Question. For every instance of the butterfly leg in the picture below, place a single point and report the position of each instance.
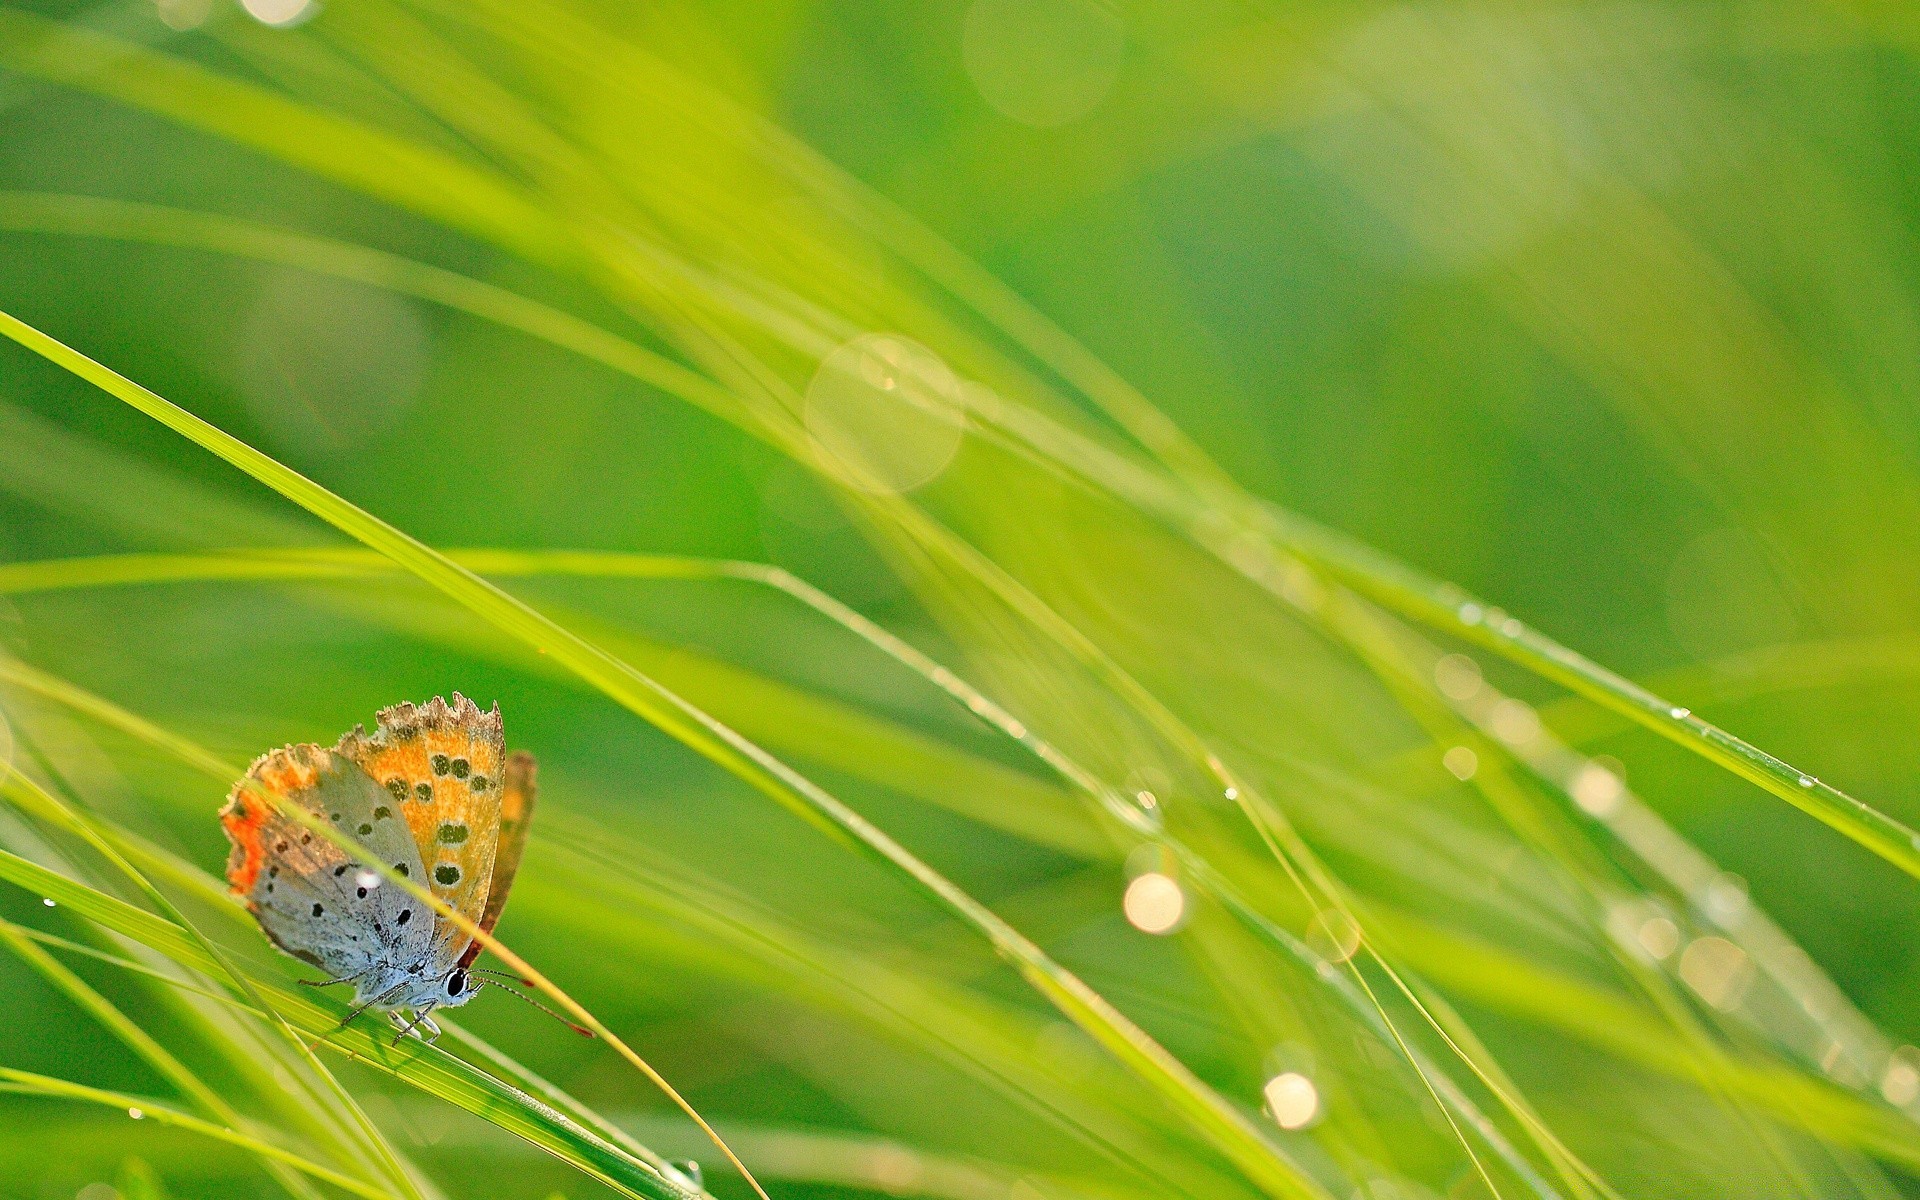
(421, 1020)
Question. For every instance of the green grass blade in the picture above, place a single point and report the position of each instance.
(40, 1085)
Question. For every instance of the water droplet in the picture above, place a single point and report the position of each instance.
(1292, 1100)
(1461, 761)
(1470, 614)
(1232, 793)
(1512, 627)
(1679, 714)
(136, 1114)
(1658, 936)
(1725, 898)
(1457, 676)
(1154, 903)
(1806, 781)
(1597, 791)
(278, 13)
(1514, 722)
(182, 15)
(1900, 1083)
(48, 901)
(1333, 935)
(1717, 970)
(689, 1170)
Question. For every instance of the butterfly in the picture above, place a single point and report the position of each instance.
(430, 794)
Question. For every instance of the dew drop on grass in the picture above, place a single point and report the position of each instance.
(1291, 1099)
(1900, 1082)
(1597, 791)
(1717, 970)
(278, 13)
(1806, 781)
(1725, 898)
(48, 901)
(1154, 903)
(1658, 936)
(136, 1114)
(1679, 714)
(1470, 614)
(182, 15)
(1457, 676)
(1461, 761)
(1333, 935)
(1514, 722)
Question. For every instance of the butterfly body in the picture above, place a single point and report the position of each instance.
(430, 796)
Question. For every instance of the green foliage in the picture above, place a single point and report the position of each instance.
(885, 462)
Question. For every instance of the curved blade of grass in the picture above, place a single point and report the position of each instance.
(142, 1043)
(1227, 1126)
(1451, 610)
(27, 1083)
(91, 216)
(370, 160)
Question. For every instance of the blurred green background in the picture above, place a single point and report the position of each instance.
(1603, 312)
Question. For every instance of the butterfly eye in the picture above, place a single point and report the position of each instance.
(456, 983)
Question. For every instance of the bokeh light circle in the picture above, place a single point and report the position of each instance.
(1154, 903)
(1043, 62)
(885, 414)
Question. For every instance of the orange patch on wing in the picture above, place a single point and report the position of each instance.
(245, 818)
(442, 764)
(409, 766)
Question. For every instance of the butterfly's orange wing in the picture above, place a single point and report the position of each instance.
(516, 817)
(444, 765)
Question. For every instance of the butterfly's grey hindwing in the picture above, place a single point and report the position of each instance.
(330, 908)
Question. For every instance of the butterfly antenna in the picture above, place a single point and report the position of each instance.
(522, 980)
(582, 1030)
